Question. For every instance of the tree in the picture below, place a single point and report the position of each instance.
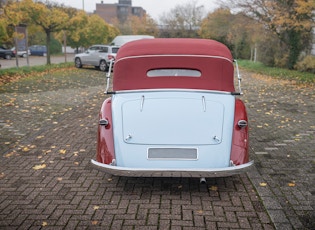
(217, 26)
(97, 31)
(10, 19)
(50, 18)
(137, 25)
(78, 20)
(290, 20)
(113, 32)
(84, 30)
(236, 31)
(4, 36)
(183, 20)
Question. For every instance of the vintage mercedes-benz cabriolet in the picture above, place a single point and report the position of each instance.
(173, 112)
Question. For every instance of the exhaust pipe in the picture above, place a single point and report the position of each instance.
(203, 180)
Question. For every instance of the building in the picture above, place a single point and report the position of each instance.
(119, 11)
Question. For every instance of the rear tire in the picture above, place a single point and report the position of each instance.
(103, 65)
(8, 56)
(78, 63)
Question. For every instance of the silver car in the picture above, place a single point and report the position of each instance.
(97, 55)
(21, 52)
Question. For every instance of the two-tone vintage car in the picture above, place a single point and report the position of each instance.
(173, 111)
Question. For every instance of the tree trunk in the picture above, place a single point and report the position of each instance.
(295, 48)
(48, 46)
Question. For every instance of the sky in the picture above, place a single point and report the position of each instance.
(155, 8)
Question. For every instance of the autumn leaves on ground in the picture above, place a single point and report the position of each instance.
(28, 104)
(48, 128)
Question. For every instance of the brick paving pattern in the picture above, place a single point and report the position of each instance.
(282, 119)
(48, 137)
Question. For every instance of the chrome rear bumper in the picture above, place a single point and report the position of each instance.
(172, 172)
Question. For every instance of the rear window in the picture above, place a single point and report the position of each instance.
(173, 73)
(103, 49)
(115, 50)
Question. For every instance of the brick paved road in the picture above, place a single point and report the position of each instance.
(282, 118)
(48, 137)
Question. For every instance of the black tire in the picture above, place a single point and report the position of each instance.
(24, 55)
(8, 56)
(103, 65)
(78, 63)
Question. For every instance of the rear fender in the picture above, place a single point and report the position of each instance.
(239, 152)
(105, 142)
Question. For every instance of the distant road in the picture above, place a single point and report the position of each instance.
(35, 60)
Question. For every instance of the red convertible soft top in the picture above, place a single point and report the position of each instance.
(179, 63)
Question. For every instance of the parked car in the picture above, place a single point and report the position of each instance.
(21, 52)
(173, 112)
(38, 50)
(6, 54)
(123, 39)
(99, 56)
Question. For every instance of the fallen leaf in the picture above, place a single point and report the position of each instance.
(44, 224)
(62, 151)
(200, 211)
(9, 154)
(94, 222)
(96, 207)
(37, 167)
(25, 149)
(213, 188)
(263, 184)
(46, 151)
(291, 184)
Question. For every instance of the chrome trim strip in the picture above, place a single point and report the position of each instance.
(239, 78)
(142, 103)
(174, 55)
(108, 76)
(173, 89)
(204, 103)
(172, 172)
